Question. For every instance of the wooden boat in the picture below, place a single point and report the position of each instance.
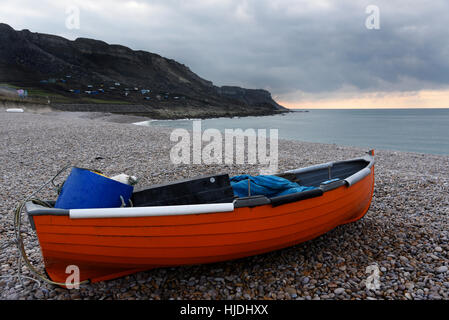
(110, 243)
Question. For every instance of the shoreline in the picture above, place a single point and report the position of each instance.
(141, 121)
(136, 110)
(140, 111)
(405, 232)
(135, 120)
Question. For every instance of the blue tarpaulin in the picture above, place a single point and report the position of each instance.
(269, 186)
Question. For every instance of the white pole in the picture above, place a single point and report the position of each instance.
(134, 212)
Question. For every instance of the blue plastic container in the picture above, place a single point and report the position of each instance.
(85, 189)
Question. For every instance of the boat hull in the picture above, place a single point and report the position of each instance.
(107, 248)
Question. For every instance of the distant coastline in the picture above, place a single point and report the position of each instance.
(162, 113)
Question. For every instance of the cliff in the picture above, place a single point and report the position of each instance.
(86, 71)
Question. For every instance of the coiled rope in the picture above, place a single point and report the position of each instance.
(18, 233)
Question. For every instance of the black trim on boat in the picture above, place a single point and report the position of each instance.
(293, 197)
(34, 209)
(333, 185)
(253, 201)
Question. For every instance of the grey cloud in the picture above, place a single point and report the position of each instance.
(285, 46)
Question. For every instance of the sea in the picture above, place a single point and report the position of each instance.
(413, 130)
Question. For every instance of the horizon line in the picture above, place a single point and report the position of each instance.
(363, 108)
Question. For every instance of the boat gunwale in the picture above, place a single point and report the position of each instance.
(33, 209)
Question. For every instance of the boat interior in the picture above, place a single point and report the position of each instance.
(323, 178)
(315, 177)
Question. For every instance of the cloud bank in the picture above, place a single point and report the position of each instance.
(299, 50)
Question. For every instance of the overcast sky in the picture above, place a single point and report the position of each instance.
(315, 53)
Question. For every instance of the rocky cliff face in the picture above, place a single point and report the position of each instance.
(248, 96)
(27, 58)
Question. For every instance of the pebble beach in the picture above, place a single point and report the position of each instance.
(405, 233)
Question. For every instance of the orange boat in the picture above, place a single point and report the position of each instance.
(110, 243)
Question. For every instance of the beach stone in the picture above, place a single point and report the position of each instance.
(442, 269)
(434, 296)
(339, 291)
(291, 291)
(409, 285)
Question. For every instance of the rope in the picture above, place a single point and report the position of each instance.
(19, 240)
(20, 278)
